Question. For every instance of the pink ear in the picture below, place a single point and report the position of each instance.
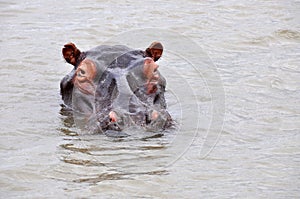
(148, 61)
(155, 50)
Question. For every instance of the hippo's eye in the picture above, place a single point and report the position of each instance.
(82, 71)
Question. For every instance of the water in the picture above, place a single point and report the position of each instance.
(254, 47)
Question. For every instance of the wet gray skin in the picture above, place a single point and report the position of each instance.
(119, 87)
(102, 56)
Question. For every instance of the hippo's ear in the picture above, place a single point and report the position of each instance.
(71, 53)
(155, 50)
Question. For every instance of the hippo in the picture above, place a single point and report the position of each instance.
(111, 88)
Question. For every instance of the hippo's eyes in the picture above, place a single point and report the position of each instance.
(81, 72)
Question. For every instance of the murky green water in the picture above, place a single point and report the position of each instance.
(249, 86)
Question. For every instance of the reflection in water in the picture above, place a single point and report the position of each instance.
(83, 162)
(118, 176)
(288, 34)
(72, 148)
(68, 121)
(106, 154)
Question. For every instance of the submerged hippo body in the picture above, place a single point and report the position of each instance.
(114, 87)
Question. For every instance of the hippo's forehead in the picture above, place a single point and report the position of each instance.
(106, 53)
(118, 58)
(108, 56)
(128, 60)
(114, 57)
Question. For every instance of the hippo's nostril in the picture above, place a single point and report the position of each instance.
(156, 99)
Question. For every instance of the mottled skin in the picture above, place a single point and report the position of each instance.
(116, 85)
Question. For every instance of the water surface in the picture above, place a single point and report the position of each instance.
(255, 49)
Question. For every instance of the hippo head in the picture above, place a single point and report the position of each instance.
(115, 84)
